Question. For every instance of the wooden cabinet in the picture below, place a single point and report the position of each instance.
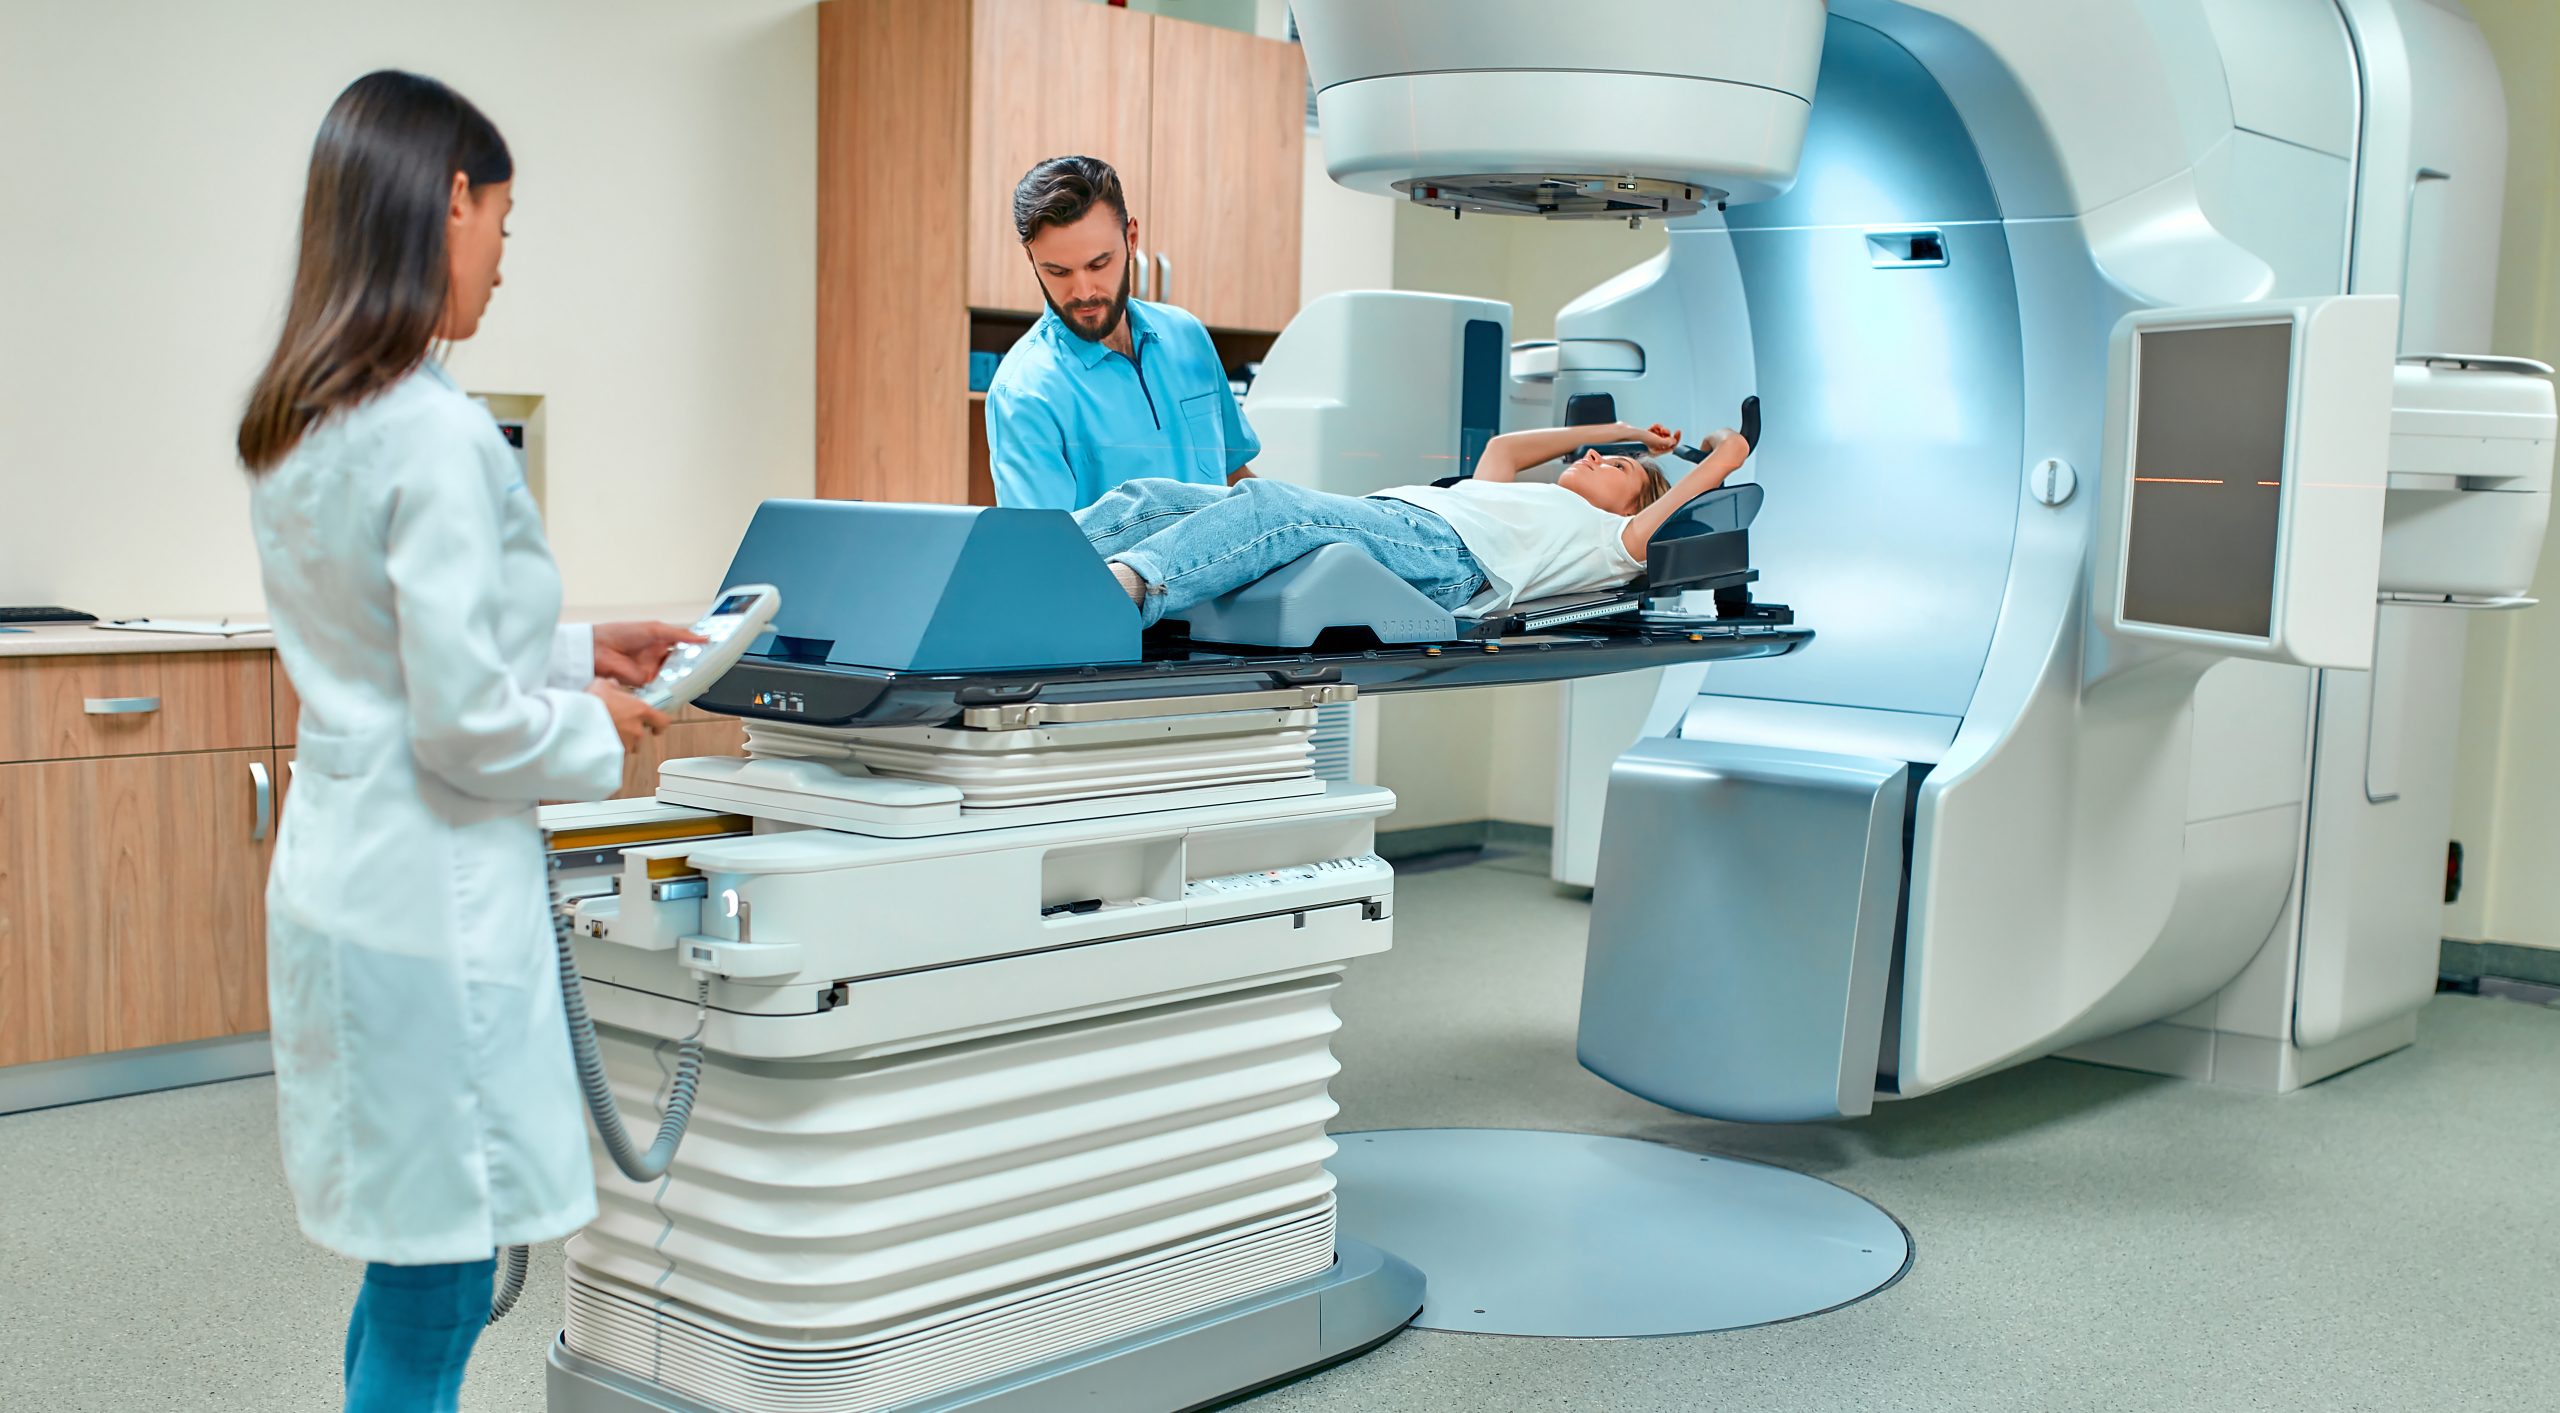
(131, 902)
(125, 704)
(140, 798)
(1227, 160)
(928, 114)
(136, 822)
(1048, 79)
(695, 733)
(893, 321)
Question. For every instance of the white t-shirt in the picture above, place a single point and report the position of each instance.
(1533, 539)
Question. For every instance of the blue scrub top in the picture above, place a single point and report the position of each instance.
(1067, 419)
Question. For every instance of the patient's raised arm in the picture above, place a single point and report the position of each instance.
(1506, 456)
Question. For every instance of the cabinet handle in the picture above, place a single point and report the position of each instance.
(1164, 278)
(1146, 275)
(266, 806)
(119, 706)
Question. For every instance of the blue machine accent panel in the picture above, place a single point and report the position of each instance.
(1486, 363)
(933, 588)
(1742, 929)
(1894, 394)
(1883, 146)
(1577, 1236)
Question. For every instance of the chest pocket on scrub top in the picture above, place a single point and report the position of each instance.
(1206, 431)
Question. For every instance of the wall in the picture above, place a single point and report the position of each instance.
(1347, 240)
(1245, 15)
(2507, 802)
(1268, 18)
(659, 284)
(658, 290)
(1538, 266)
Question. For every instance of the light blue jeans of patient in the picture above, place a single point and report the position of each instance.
(412, 1333)
(1191, 543)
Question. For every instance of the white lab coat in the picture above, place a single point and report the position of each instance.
(428, 1106)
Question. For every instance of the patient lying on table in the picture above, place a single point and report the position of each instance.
(1478, 546)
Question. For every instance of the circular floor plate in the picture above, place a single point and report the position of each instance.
(1573, 1235)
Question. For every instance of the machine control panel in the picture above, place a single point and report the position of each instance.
(1293, 876)
(729, 629)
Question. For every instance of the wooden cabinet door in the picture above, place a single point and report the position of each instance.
(133, 704)
(893, 146)
(130, 903)
(1227, 185)
(695, 733)
(1050, 78)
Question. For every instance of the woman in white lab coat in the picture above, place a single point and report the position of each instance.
(428, 1107)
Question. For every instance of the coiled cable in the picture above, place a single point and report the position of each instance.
(636, 1165)
(510, 1285)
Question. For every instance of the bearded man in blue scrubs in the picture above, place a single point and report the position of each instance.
(1105, 388)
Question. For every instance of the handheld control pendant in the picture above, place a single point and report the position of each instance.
(735, 621)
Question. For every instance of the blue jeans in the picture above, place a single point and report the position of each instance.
(1191, 543)
(412, 1334)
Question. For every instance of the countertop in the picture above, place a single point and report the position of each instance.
(66, 639)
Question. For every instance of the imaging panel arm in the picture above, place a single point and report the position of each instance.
(2470, 488)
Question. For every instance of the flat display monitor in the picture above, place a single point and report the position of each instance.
(2201, 545)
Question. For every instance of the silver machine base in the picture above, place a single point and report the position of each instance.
(1572, 1235)
(1220, 1354)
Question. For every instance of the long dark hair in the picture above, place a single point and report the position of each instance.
(370, 285)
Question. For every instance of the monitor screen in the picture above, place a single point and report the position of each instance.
(2208, 472)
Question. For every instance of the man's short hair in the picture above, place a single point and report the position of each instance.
(1059, 191)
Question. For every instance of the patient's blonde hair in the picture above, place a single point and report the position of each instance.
(1656, 484)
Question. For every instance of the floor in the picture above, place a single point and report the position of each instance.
(2087, 1239)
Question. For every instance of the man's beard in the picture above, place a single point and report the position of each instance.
(1110, 322)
